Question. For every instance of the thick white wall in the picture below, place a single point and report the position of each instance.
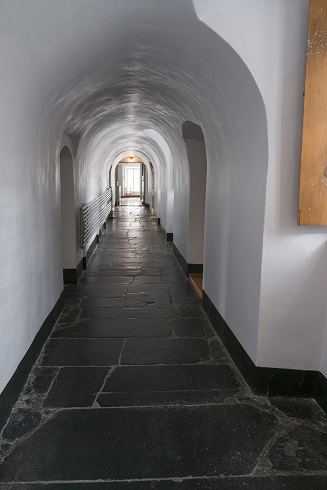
(165, 182)
(197, 159)
(271, 39)
(35, 65)
(80, 83)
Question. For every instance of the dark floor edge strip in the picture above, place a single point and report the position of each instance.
(180, 259)
(267, 381)
(72, 276)
(187, 268)
(169, 236)
(10, 394)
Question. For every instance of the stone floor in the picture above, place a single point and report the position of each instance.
(134, 391)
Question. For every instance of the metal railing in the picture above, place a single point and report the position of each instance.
(94, 215)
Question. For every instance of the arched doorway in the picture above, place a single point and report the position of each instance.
(68, 221)
(196, 151)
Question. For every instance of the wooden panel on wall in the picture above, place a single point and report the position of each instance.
(313, 180)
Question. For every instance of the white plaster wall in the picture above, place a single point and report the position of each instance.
(67, 199)
(165, 184)
(35, 65)
(80, 83)
(271, 39)
(72, 144)
(294, 293)
(198, 179)
(120, 175)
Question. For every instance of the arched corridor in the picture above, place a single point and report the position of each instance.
(144, 140)
(134, 385)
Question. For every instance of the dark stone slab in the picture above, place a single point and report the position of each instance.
(299, 408)
(114, 271)
(72, 300)
(106, 290)
(129, 312)
(171, 378)
(108, 279)
(143, 443)
(184, 289)
(76, 387)
(299, 482)
(164, 398)
(141, 280)
(82, 352)
(102, 303)
(69, 316)
(189, 327)
(165, 351)
(41, 379)
(121, 254)
(74, 289)
(175, 278)
(190, 312)
(21, 422)
(301, 448)
(117, 327)
(139, 304)
(188, 301)
(218, 352)
(148, 288)
(157, 299)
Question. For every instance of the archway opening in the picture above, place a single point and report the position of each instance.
(68, 221)
(196, 151)
(129, 180)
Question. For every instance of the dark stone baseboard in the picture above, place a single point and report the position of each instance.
(187, 268)
(195, 268)
(147, 205)
(321, 393)
(71, 276)
(79, 269)
(262, 380)
(235, 349)
(180, 259)
(90, 251)
(168, 236)
(16, 384)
